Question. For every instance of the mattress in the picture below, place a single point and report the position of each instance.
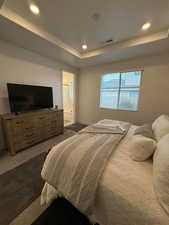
(125, 195)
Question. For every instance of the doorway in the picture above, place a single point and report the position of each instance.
(69, 98)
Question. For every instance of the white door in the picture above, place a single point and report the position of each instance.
(69, 98)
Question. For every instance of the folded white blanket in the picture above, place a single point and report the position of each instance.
(106, 127)
(110, 123)
(118, 126)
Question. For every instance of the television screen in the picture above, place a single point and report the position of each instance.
(23, 98)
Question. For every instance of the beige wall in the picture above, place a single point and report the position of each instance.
(21, 66)
(1, 2)
(154, 95)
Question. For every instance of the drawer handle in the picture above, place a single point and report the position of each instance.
(20, 122)
(41, 118)
(29, 128)
(29, 135)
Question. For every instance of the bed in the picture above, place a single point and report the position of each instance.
(125, 194)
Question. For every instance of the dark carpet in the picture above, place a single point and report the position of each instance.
(61, 212)
(19, 188)
(76, 127)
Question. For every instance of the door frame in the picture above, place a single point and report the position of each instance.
(74, 84)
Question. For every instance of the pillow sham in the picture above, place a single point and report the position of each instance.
(161, 126)
(141, 147)
(161, 172)
(145, 130)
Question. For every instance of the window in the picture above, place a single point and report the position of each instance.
(120, 90)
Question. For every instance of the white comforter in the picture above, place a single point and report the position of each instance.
(125, 195)
(75, 166)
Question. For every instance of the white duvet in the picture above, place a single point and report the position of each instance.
(125, 194)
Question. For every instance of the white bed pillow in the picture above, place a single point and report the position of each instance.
(161, 126)
(161, 172)
(145, 130)
(141, 147)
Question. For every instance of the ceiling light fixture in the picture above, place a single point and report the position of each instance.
(34, 9)
(96, 17)
(146, 26)
(84, 46)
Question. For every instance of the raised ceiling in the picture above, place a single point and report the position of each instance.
(67, 24)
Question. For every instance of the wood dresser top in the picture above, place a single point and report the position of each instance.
(10, 116)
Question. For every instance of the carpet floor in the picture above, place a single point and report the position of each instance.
(19, 188)
(76, 127)
(21, 185)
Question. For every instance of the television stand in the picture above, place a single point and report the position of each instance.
(27, 129)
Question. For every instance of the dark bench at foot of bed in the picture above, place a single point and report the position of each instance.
(61, 212)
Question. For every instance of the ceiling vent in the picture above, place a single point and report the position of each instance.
(108, 42)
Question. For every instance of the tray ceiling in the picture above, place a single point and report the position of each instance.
(66, 25)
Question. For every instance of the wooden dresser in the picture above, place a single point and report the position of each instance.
(24, 130)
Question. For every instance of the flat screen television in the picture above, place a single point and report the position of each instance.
(24, 98)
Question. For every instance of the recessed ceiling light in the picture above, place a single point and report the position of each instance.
(96, 17)
(146, 26)
(84, 46)
(34, 9)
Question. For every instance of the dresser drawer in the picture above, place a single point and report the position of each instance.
(41, 121)
(31, 141)
(18, 122)
(29, 127)
(29, 136)
(17, 126)
(20, 126)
